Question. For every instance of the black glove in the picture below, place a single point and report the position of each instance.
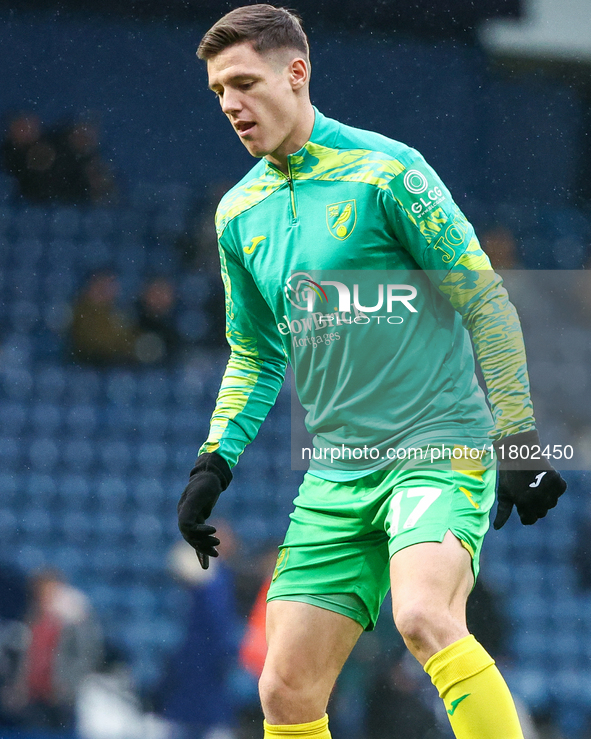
(528, 482)
(210, 477)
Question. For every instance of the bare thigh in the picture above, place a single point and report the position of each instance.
(430, 586)
(307, 648)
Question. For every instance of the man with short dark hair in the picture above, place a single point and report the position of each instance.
(343, 250)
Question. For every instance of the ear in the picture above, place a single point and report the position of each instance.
(299, 73)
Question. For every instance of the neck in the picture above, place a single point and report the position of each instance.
(299, 136)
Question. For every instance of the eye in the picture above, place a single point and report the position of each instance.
(246, 85)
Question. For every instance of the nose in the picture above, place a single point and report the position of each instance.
(230, 102)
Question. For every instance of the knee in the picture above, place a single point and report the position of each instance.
(426, 628)
(274, 689)
(286, 698)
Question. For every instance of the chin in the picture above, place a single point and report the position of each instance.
(257, 151)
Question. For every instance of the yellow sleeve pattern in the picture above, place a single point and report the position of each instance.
(255, 370)
(477, 293)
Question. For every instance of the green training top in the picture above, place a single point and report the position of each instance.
(359, 267)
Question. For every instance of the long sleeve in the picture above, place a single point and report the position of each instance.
(477, 293)
(256, 367)
(425, 219)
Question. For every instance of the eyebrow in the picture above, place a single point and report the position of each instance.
(234, 78)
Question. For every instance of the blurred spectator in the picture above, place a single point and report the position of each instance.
(199, 245)
(195, 692)
(62, 164)
(485, 614)
(501, 246)
(30, 156)
(13, 637)
(582, 550)
(158, 339)
(64, 647)
(81, 175)
(101, 333)
(253, 647)
(396, 709)
(108, 706)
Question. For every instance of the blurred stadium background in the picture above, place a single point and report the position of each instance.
(92, 460)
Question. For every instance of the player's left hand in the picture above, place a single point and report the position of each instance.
(528, 482)
(210, 476)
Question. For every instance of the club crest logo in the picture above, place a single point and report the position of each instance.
(341, 218)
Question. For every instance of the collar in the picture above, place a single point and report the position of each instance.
(323, 132)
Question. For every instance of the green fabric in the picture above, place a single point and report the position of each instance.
(342, 534)
(347, 604)
(360, 209)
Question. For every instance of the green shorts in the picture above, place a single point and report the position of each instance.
(342, 534)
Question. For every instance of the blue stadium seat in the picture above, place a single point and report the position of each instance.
(103, 600)
(147, 530)
(65, 223)
(95, 253)
(194, 324)
(17, 356)
(184, 456)
(6, 218)
(251, 528)
(13, 417)
(56, 317)
(73, 490)
(82, 418)
(50, 383)
(152, 423)
(30, 222)
(147, 493)
(10, 487)
(188, 423)
(7, 187)
(531, 647)
(146, 564)
(98, 223)
(122, 387)
(44, 454)
(154, 387)
(84, 384)
(120, 418)
(194, 289)
(40, 489)
(139, 600)
(46, 417)
(110, 527)
(78, 454)
(116, 456)
(23, 315)
(105, 562)
(531, 685)
(77, 527)
(70, 560)
(9, 532)
(27, 251)
(130, 256)
(30, 558)
(112, 493)
(169, 223)
(152, 457)
(62, 254)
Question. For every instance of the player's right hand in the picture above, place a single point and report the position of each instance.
(210, 476)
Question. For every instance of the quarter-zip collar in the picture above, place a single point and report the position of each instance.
(302, 160)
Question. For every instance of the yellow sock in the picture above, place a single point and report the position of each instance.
(312, 730)
(477, 699)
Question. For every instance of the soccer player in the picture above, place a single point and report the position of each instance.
(343, 251)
